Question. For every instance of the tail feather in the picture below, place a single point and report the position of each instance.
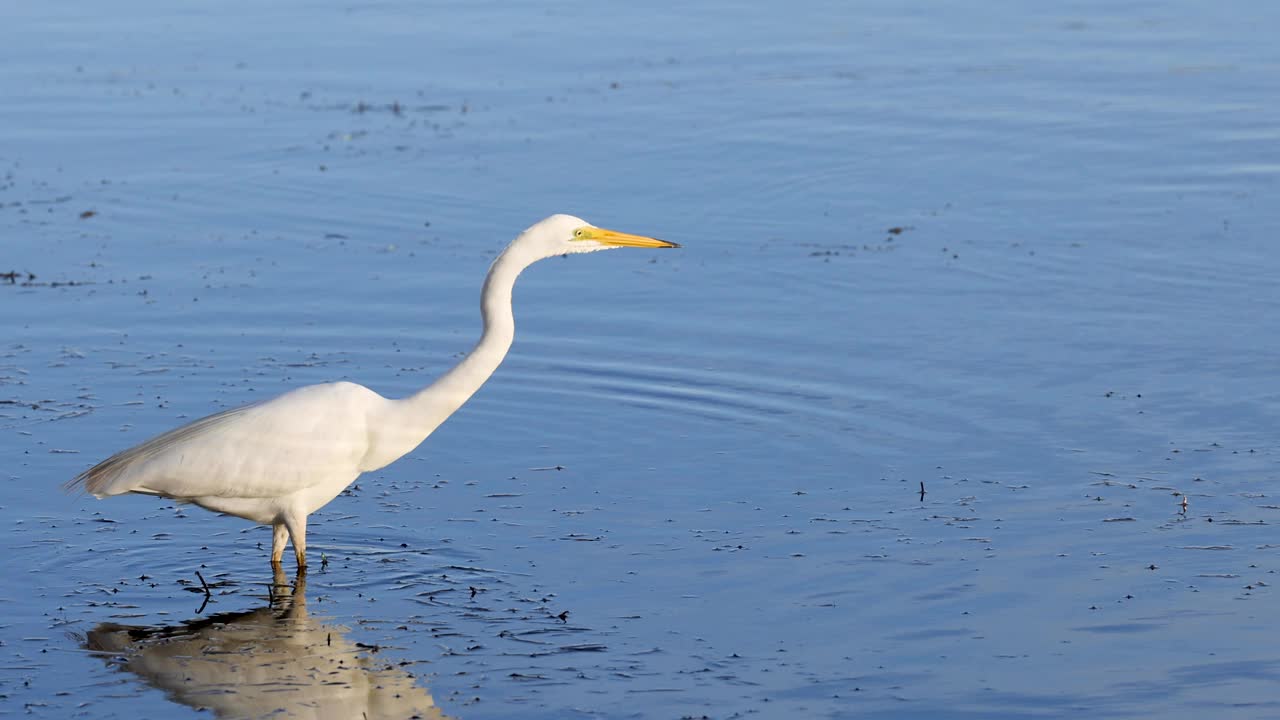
(97, 480)
(112, 476)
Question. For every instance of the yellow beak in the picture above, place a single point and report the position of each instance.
(621, 239)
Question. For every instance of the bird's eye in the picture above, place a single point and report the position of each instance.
(579, 233)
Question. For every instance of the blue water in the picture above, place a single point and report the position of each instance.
(1022, 255)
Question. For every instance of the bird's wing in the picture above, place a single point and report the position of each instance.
(269, 449)
(99, 479)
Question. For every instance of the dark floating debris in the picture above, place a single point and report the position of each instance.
(12, 276)
(27, 279)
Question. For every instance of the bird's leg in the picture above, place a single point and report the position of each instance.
(297, 525)
(279, 536)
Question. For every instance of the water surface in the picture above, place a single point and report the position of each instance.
(1019, 255)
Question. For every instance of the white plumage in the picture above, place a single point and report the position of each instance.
(277, 461)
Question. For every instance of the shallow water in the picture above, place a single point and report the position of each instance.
(1021, 256)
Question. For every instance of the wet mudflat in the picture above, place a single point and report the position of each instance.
(1020, 258)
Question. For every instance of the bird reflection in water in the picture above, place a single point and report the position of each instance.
(274, 661)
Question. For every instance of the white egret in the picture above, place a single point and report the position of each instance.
(277, 461)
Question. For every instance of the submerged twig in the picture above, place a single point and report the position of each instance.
(203, 584)
(207, 594)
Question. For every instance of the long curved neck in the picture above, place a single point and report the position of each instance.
(441, 398)
(398, 426)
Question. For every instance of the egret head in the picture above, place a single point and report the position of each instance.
(564, 234)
